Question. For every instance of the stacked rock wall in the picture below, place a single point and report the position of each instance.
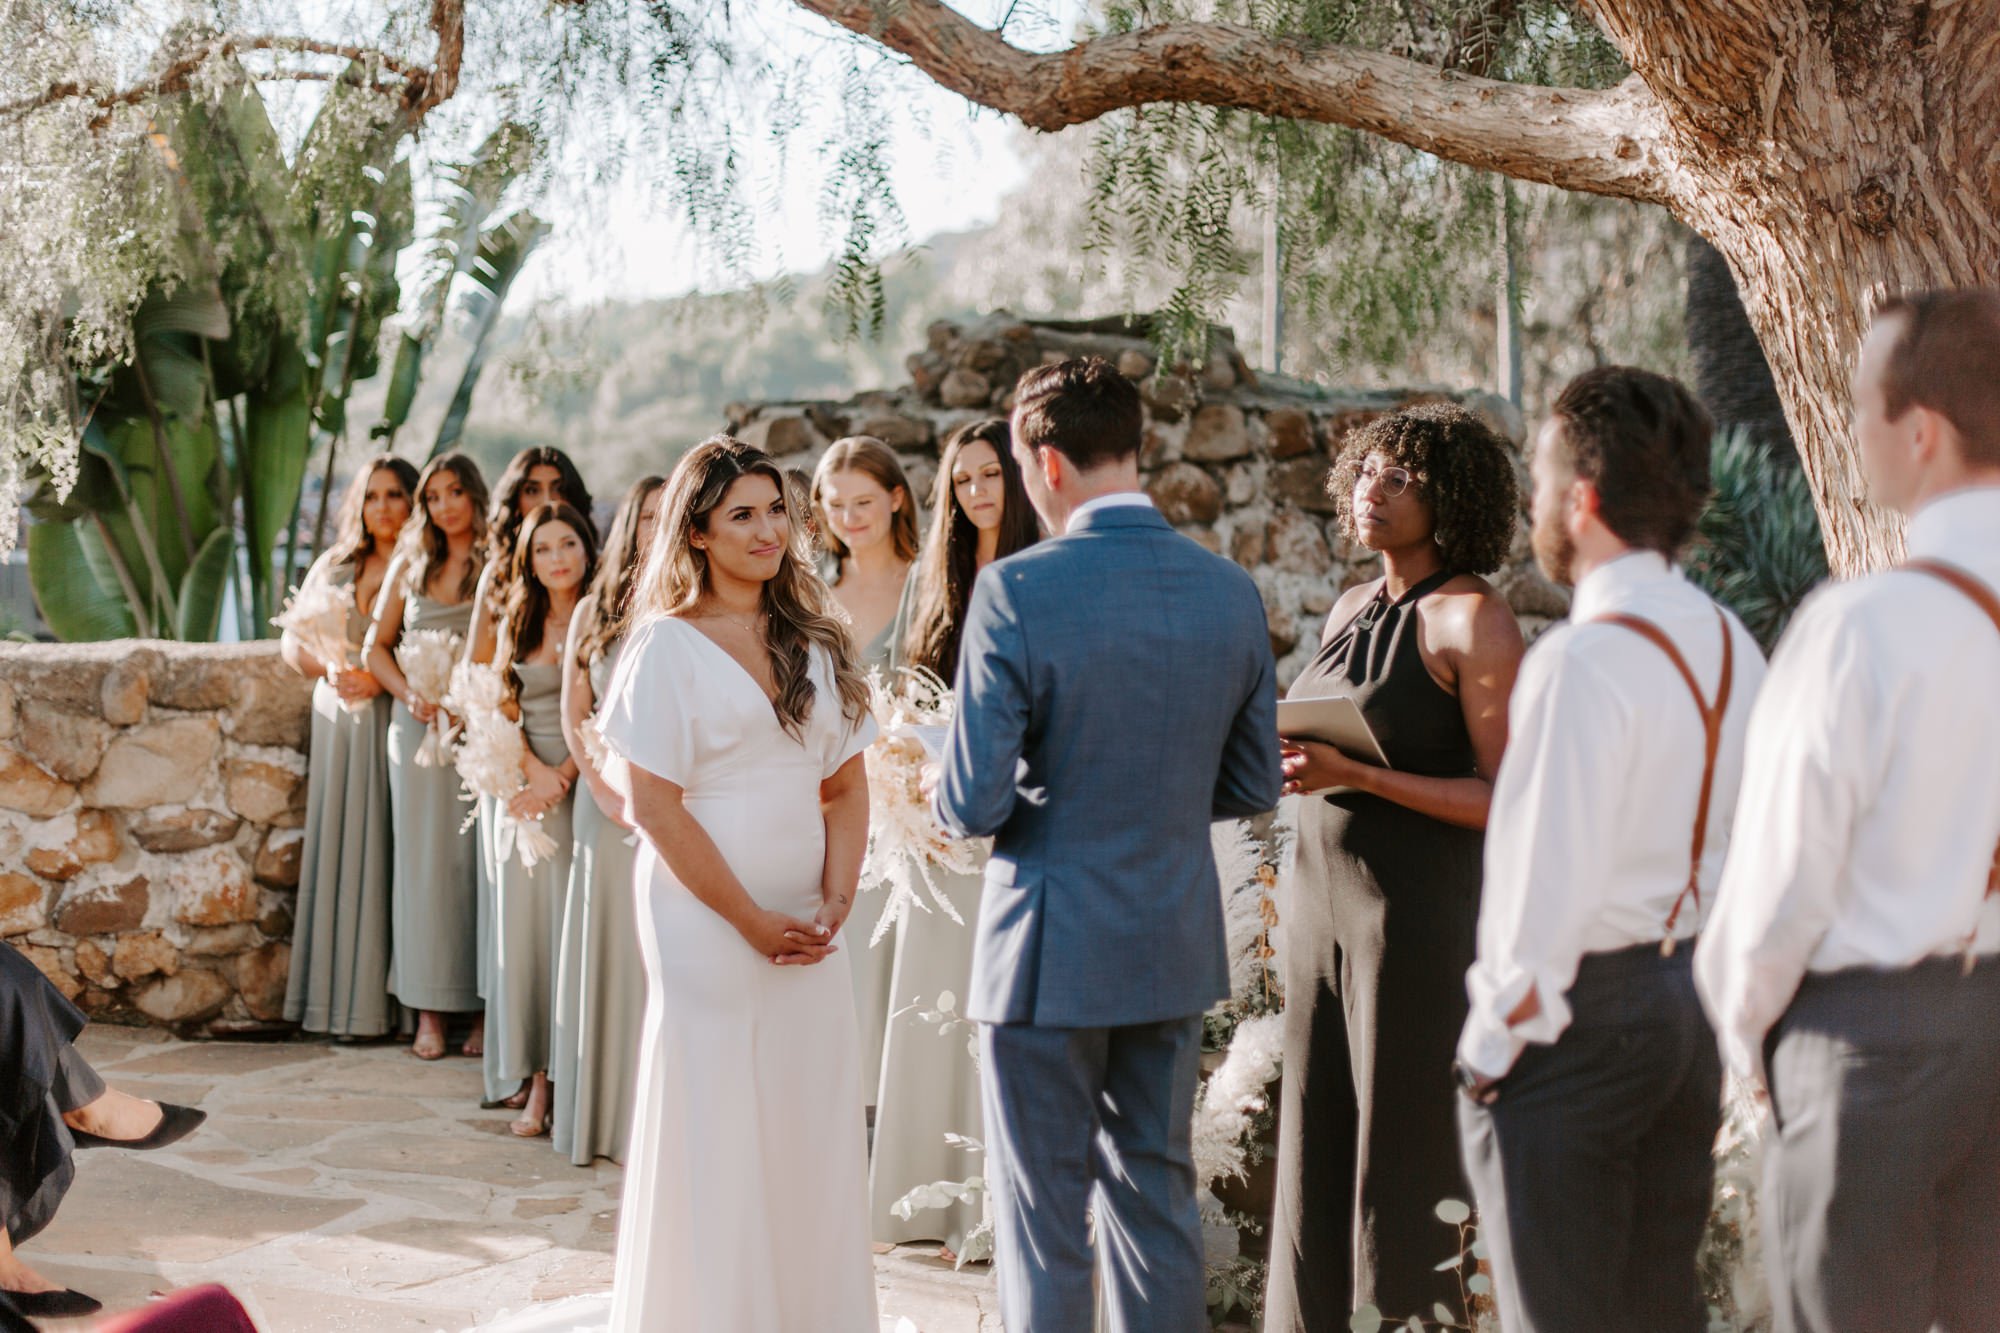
(151, 802)
(1237, 462)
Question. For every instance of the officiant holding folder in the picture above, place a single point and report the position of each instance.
(1381, 918)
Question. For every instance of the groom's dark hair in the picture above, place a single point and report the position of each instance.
(1082, 408)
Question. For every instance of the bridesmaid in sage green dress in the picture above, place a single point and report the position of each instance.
(432, 885)
(339, 982)
(930, 1081)
(531, 478)
(600, 978)
(554, 558)
(866, 519)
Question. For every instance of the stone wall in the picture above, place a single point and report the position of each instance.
(151, 802)
(1237, 461)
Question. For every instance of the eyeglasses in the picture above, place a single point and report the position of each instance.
(1393, 480)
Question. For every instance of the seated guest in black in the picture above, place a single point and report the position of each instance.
(51, 1103)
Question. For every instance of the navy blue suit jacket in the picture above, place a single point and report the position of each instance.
(1116, 695)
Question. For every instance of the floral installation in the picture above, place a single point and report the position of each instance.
(1232, 1109)
(428, 658)
(977, 1246)
(491, 751)
(906, 846)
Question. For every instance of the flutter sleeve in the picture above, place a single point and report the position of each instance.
(846, 736)
(644, 715)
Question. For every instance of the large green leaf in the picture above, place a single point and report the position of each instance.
(277, 439)
(65, 564)
(503, 251)
(200, 608)
(403, 378)
(167, 370)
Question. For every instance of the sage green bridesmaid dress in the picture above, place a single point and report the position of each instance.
(434, 960)
(601, 981)
(339, 981)
(871, 964)
(528, 910)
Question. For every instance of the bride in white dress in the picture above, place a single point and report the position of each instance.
(735, 723)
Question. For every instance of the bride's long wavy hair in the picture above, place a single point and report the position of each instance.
(798, 607)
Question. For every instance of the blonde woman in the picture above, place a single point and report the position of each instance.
(736, 720)
(867, 523)
(866, 518)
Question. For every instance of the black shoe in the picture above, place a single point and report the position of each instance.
(11, 1318)
(176, 1123)
(64, 1304)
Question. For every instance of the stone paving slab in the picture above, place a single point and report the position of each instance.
(339, 1187)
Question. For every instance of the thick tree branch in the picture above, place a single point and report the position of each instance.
(421, 87)
(1608, 142)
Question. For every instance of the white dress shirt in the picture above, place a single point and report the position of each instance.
(1872, 801)
(1115, 500)
(1593, 811)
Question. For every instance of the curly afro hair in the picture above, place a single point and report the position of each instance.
(1463, 468)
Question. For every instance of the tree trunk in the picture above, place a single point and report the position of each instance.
(1731, 376)
(1855, 158)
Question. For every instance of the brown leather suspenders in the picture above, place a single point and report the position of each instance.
(1983, 597)
(1711, 721)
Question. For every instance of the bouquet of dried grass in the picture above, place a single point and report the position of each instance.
(905, 844)
(427, 657)
(316, 615)
(491, 756)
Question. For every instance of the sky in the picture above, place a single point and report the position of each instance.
(632, 247)
(951, 163)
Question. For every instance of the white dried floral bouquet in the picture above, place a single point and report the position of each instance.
(316, 615)
(491, 753)
(427, 657)
(906, 845)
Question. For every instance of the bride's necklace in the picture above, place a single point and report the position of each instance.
(751, 629)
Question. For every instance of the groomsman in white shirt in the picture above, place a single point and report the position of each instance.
(1850, 962)
(1592, 1083)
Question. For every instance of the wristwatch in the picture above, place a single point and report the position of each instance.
(1478, 1088)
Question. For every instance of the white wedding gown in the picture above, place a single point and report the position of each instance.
(746, 1187)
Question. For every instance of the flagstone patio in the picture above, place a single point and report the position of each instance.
(341, 1187)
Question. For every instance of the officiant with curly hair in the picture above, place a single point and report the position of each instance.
(1385, 904)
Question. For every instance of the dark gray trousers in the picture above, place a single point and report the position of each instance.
(1593, 1169)
(1094, 1119)
(1882, 1184)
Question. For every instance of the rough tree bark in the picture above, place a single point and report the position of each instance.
(1827, 150)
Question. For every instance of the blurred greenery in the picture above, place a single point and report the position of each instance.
(1757, 548)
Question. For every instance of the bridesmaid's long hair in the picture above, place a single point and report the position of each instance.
(798, 606)
(353, 544)
(617, 573)
(505, 518)
(425, 542)
(527, 598)
(951, 551)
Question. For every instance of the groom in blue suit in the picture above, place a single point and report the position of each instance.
(1116, 695)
